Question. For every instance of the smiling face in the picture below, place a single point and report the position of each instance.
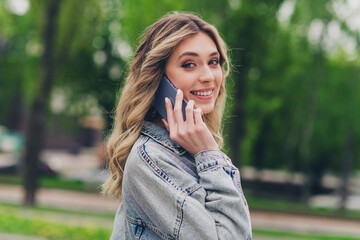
(194, 67)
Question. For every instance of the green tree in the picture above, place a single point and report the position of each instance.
(60, 43)
(35, 134)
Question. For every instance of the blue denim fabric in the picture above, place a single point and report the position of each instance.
(170, 194)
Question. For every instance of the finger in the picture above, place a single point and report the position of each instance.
(170, 115)
(197, 117)
(178, 109)
(165, 123)
(190, 114)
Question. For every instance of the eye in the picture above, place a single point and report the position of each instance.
(214, 62)
(188, 65)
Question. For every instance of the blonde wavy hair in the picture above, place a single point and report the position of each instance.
(146, 71)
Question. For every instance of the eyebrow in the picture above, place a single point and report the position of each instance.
(194, 54)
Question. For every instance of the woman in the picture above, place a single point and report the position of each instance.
(172, 179)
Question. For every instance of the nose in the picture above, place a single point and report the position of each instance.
(206, 75)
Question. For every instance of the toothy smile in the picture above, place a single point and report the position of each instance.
(202, 93)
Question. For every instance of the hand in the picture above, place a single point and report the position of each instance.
(192, 134)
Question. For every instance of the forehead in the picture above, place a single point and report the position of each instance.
(199, 42)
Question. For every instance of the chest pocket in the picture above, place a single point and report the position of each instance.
(135, 230)
(140, 231)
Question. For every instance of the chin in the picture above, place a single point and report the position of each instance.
(207, 109)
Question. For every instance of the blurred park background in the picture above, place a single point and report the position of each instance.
(292, 121)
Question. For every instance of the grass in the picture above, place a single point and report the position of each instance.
(299, 208)
(41, 222)
(14, 208)
(298, 236)
(38, 221)
(254, 203)
(41, 228)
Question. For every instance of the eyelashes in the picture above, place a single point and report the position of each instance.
(188, 65)
(213, 62)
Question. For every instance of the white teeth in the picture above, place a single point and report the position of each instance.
(203, 93)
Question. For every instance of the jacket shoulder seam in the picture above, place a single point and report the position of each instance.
(182, 193)
(159, 172)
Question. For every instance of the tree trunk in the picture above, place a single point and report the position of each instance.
(16, 111)
(346, 169)
(237, 130)
(305, 147)
(290, 144)
(36, 124)
(307, 132)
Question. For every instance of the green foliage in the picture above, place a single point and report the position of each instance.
(47, 211)
(15, 63)
(42, 223)
(37, 227)
(302, 236)
(292, 100)
(298, 208)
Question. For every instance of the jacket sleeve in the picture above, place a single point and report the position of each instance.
(212, 207)
(224, 197)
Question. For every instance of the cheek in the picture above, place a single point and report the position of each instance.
(177, 77)
(218, 80)
(182, 81)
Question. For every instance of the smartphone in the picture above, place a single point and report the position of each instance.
(166, 89)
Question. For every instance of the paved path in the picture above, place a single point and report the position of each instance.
(97, 203)
(7, 236)
(62, 199)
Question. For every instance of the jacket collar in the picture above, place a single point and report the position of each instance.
(161, 135)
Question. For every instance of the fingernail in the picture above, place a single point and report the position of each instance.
(178, 91)
(166, 100)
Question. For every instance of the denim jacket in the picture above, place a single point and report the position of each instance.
(169, 193)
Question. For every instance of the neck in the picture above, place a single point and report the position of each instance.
(159, 122)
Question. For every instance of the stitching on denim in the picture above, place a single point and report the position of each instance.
(179, 214)
(204, 165)
(157, 170)
(183, 193)
(213, 167)
(192, 189)
(164, 176)
(144, 224)
(180, 204)
(217, 153)
(139, 230)
(177, 149)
